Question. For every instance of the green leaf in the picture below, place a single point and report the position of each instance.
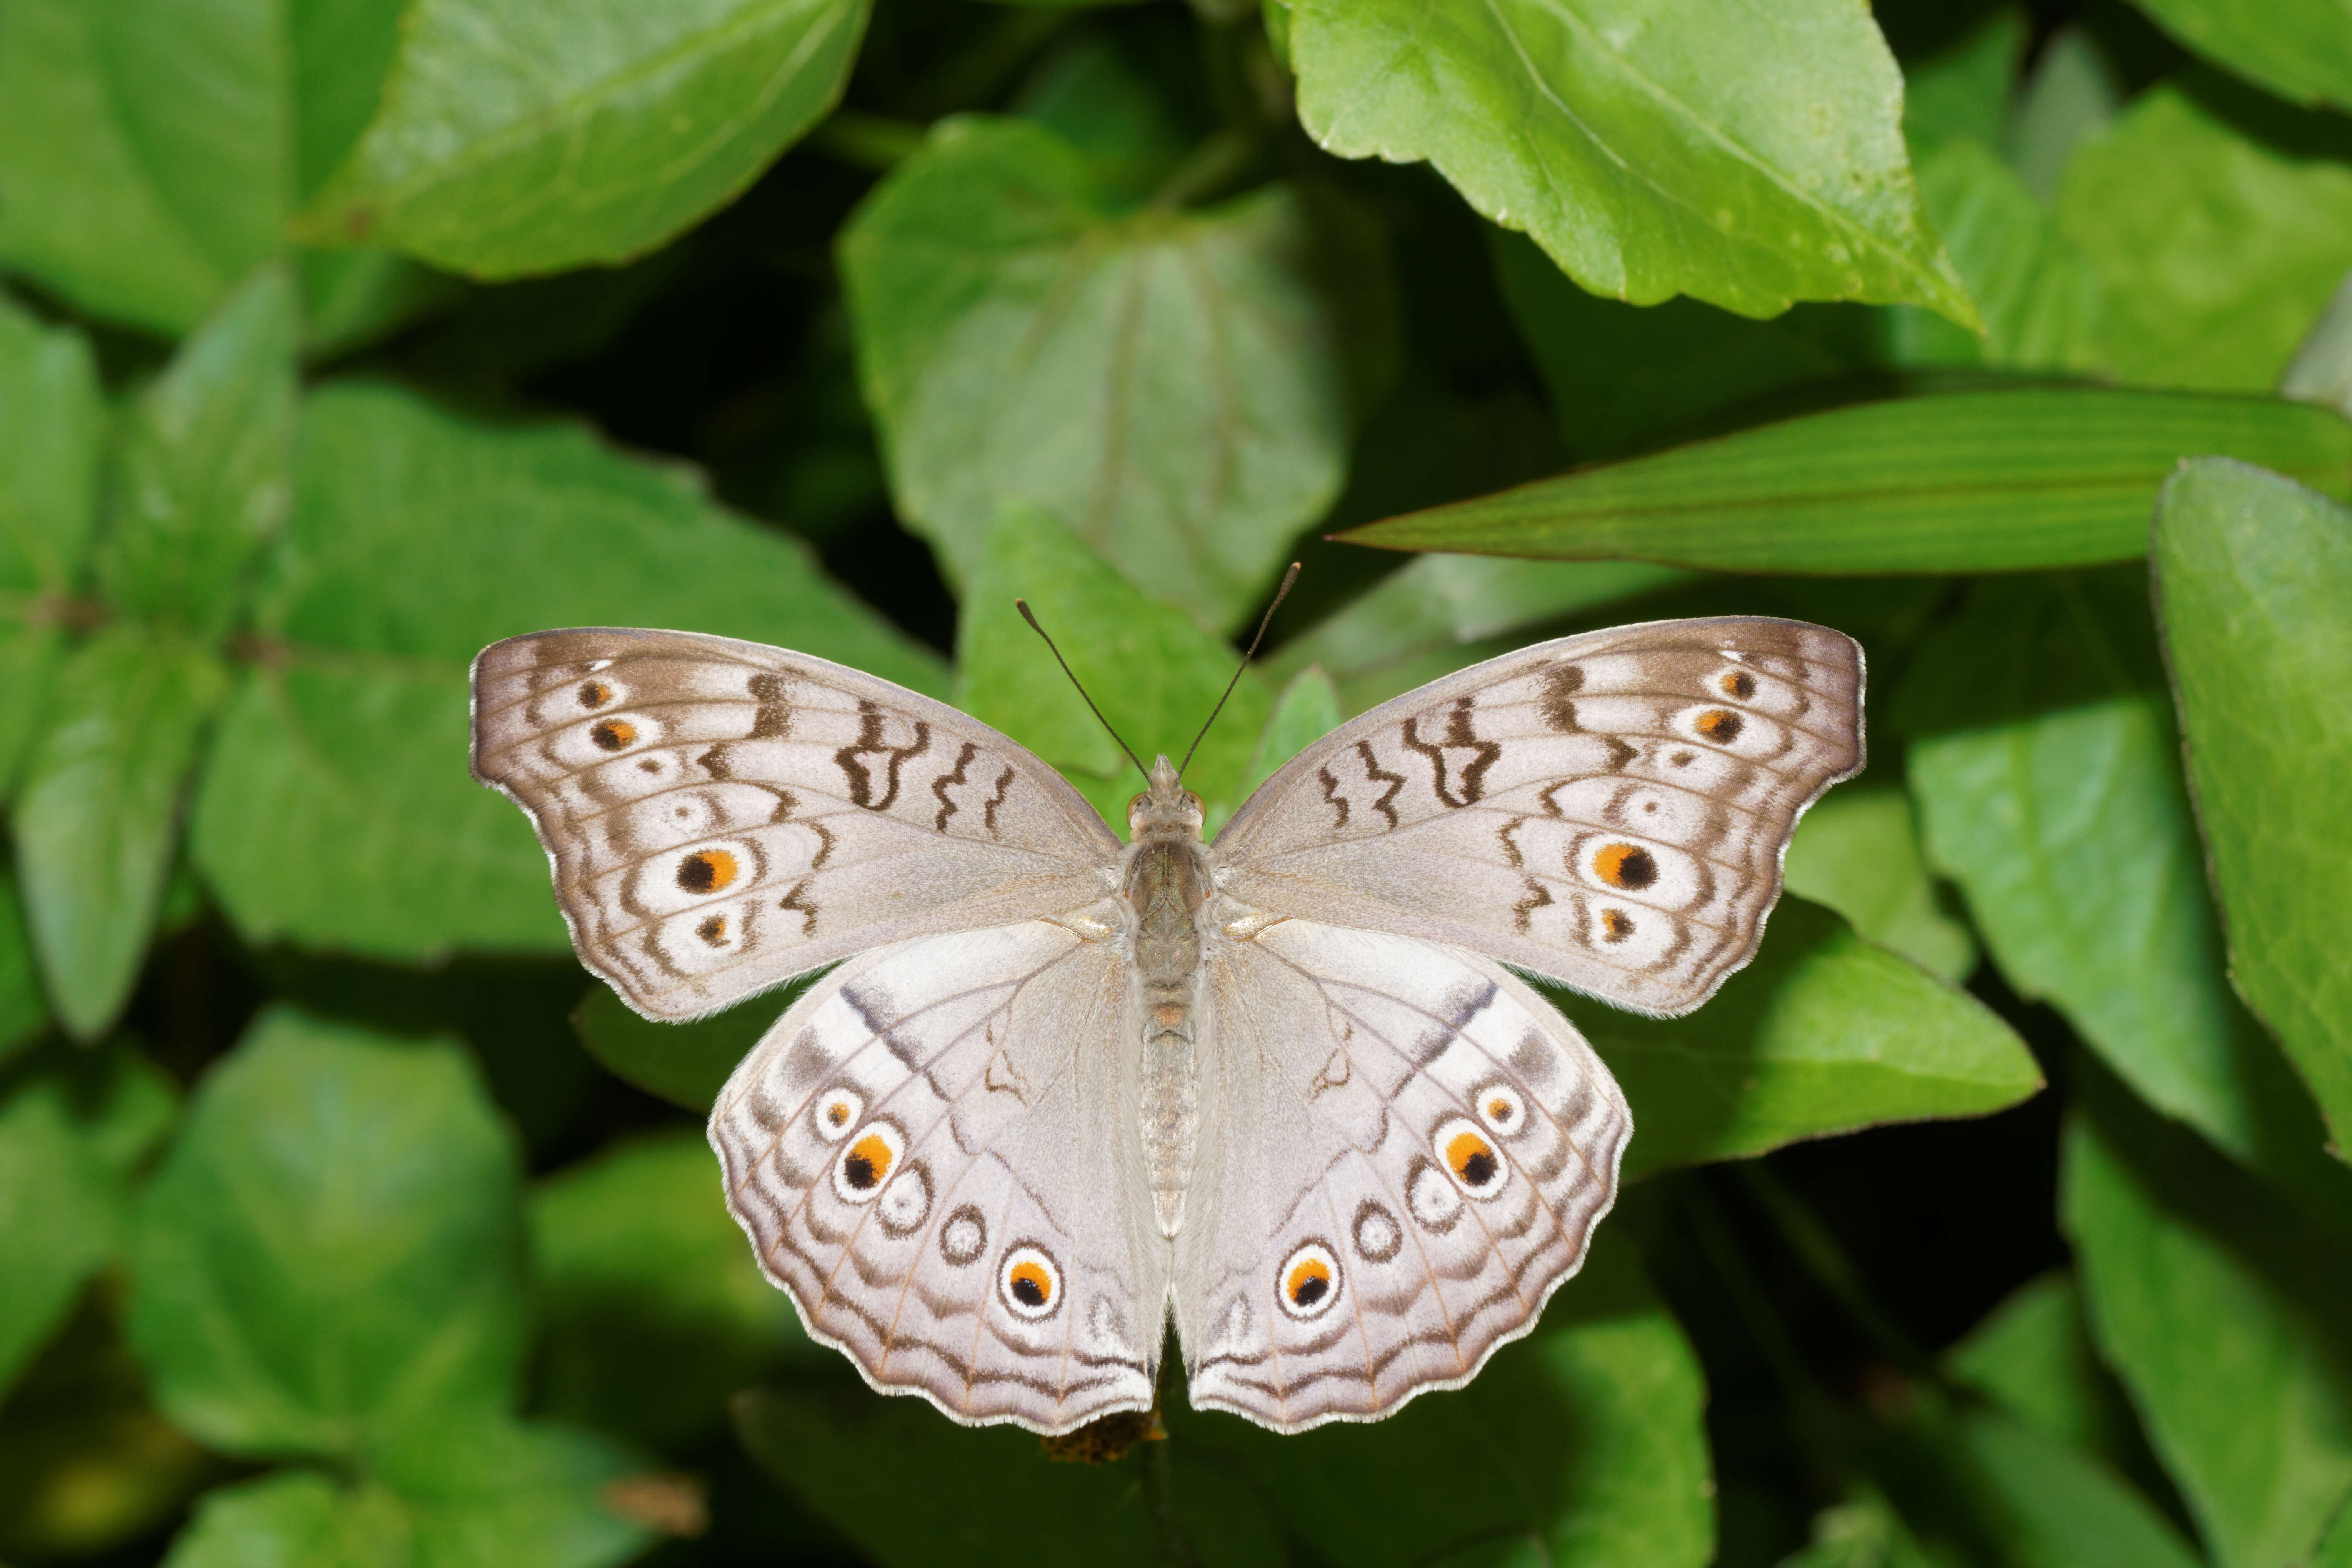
(2335, 1547)
(150, 154)
(1308, 710)
(1971, 481)
(1582, 1444)
(1962, 90)
(2300, 50)
(1858, 852)
(23, 1009)
(521, 139)
(2038, 296)
(2047, 1505)
(1863, 1533)
(98, 817)
(295, 1518)
(2032, 1356)
(50, 445)
(2254, 574)
(1649, 156)
(651, 1310)
(416, 538)
(2069, 96)
(2227, 1316)
(1822, 1032)
(2215, 251)
(1167, 382)
(200, 474)
(685, 1064)
(329, 1260)
(1154, 673)
(60, 1217)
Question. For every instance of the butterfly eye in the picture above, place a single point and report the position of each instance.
(868, 1161)
(1501, 1108)
(1308, 1283)
(837, 1114)
(1030, 1282)
(1478, 1167)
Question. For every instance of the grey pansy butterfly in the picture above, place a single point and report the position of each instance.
(1281, 1088)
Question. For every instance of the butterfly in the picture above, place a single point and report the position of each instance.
(1285, 1091)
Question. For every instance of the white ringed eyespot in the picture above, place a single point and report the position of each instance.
(837, 1111)
(1501, 1108)
(1308, 1282)
(1477, 1166)
(1030, 1282)
(870, 1159)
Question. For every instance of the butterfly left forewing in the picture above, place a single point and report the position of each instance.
(721, 815)
(1404, 1149)
(933, 1152)
(1609, 810)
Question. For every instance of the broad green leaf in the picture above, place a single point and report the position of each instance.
(652, 1308)
(2300, 50)
(329, 1260)
(685, 1064)
(1651, 151)
(2335, 1547)
(23, 1009)
(1962, 90)
(990, 1495)
(1969, 481)
(2215, 251)
(1440, 603)
(2070, 95)
(97, 818)
(1822, 1032)
(1167, 382)
(2032, 1356)
(1581, 1444)
(201, 475)
(1154, 672)
(295, 1518)
(2254, 574)
(1622, 376)
(1858, 852)
(522, 139)
(1094, 98)
(1308, 710)
(2038, 296)
(52, 425)
(417, 537)
(150, 154)
(2229, 1317)
(60, 1217)
(2048, 1505)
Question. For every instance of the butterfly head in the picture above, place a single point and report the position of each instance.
(1166, 808)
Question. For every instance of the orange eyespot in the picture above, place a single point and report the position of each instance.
(713, 930)
(837, 1114)
(1310, 1281)
(873, 1157)
(614, 734)
(1472, 1160)
(868, 1162)
(1738, 683)
(707, 870)
(1500, 1108)
(1616, 925)
(594, 694)
(1718, 725)
(1029, 1283)
(1627, 866)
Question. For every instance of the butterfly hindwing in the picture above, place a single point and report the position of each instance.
(1404, 1149)
(934, 1153)
(720, 816)
(1609, 810)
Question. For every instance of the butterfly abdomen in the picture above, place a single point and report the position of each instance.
(1165, 888)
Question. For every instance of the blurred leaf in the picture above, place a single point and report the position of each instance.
(1864, 1533)
(295, 1518)
(2215, 251)
(2300, 50)
(2227, 1316)
(1968, 481)
(201, 476)
(1090, 96)
(1154, 673)
(2254, 574)
(2069, 96)
(98, 817)
(1439, 603)
(2032, 1356)
(1168, 381)
(2321, 371)
(1822, 1032)
(523, 139)
(500, 1494)
(1858, 852)
(2047, 1505)
(652, 1306)
(2335, 1547)
(61, 1218)
(1308, 710)
(52, 423)
(1962, 90)
(1651, 157)
(1582, 1444)
(23, 1009)
(149, 153)
(685, 1064)
(1622, 375)
(2037, 295)
(417, 537)
(329, 1260)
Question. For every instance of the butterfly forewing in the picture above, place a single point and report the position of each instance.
(1609, 810)
(721, 815)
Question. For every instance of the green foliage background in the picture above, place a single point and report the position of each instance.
(343, 1221)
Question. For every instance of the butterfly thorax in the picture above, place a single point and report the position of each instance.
(1165, 886)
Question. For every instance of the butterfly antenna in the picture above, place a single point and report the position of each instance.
(1023, 606)
(1264, 621)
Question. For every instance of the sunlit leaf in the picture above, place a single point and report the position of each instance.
(2254, 574)
(1308, 710)
(1969, 481)
(2300, 50)
(1168, 382)
(2039, 298)
(1858, 852)
(1650, 155)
